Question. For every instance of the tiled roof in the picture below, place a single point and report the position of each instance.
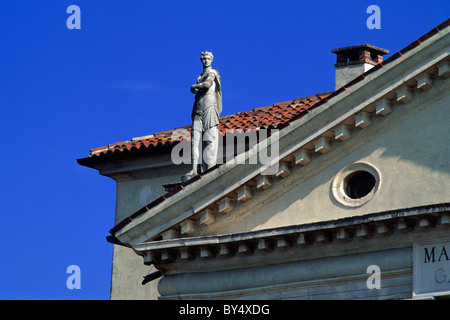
(276, 116)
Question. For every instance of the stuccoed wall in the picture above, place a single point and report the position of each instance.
(127, 274)
(134, 191)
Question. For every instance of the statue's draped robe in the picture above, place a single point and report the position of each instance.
(205, 122)
(208, 103)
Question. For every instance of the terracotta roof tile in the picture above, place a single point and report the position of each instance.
(275, 116)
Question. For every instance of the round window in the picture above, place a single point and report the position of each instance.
(356, 184)
(359, 184)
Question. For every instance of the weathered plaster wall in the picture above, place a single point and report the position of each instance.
(134, 191)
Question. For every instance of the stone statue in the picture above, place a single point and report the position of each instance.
(205, 118)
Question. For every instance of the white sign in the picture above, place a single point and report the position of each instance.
(431, 268)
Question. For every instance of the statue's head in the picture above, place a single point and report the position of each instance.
(206, 58)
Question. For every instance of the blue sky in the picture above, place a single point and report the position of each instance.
(127, 73)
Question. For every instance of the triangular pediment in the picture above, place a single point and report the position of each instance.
(312, 151)
(309, 185)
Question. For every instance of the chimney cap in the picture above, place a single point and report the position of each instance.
(353, 61)
(370, 47)
(359, 55)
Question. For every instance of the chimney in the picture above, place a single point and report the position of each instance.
(353, 61)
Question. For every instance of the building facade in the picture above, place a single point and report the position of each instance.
(354, 202)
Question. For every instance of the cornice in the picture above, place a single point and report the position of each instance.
(284, 244)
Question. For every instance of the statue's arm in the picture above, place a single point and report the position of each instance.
(205, 85)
